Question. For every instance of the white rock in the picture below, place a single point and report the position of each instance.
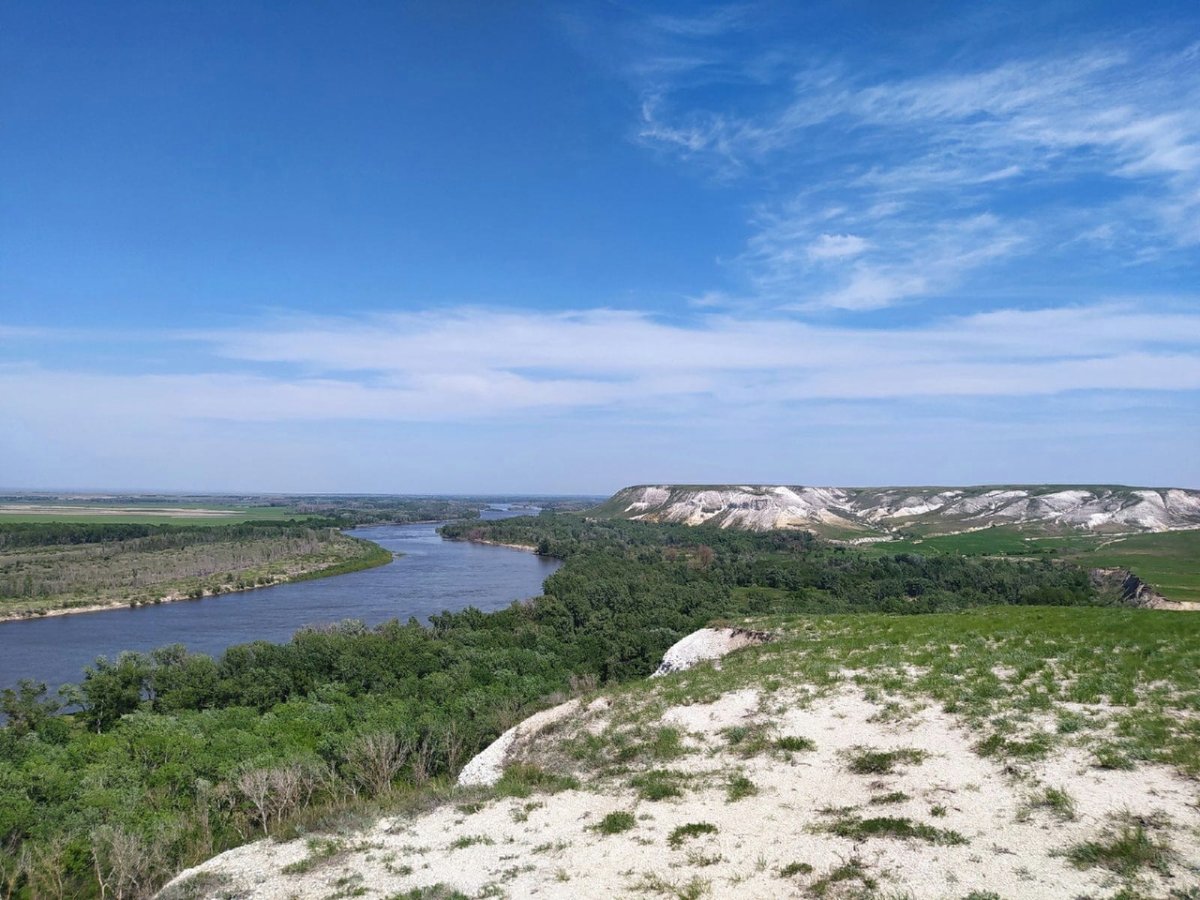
(487, 767)
(705, 644)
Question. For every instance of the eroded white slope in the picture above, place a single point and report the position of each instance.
(762, 507)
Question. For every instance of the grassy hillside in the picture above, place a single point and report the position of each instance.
(992, 753)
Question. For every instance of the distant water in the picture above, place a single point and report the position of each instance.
(433, 575)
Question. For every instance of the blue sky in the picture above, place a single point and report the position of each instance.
(437, 247)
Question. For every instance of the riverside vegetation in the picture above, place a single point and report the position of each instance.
(64, 566)
(168, 758)
(70, 553)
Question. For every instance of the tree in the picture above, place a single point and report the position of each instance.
(110, 690)
(374, 760)
(27, 708)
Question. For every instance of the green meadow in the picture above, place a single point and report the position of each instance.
(1170, 561)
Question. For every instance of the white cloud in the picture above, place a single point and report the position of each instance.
(481, 365)
(836, 246)
(1112, 133)
(873, 289)
(353, 402)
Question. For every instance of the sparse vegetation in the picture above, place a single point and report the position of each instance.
(1057, 801)
(524, 779)
(852, 869)
(658, 784)
(431, 892)
(683, 833)
(616, 822)
(791, 870)
(470, 840)
(1125, 851)
(793, 744)
(866, 761)
(738, 787)
(692, 889)
(320, 851)
(893, 827)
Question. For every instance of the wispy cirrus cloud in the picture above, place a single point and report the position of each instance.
(943, 174)
(835, 246)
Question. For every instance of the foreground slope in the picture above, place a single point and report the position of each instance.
(1012, 753)
(866, 512)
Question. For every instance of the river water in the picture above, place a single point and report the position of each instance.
(433, 575)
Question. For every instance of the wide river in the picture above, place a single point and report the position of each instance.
(433, 575)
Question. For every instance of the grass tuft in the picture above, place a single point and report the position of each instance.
(900, 828)
(792, 744)
(739, 787)
(791, 870)
(470, 840)
(852, 869)
(616, 822)
(1125, 852)
(688, 831)
(867, 761)
(320, 850)
(658, 784)
(431, 892)
(1058, 801)
(522, 780)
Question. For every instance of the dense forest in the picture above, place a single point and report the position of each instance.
(167, 758)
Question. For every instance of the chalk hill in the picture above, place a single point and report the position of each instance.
(851, 513)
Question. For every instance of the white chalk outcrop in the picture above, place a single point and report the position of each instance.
(487, 767)
(1007, 845)
(706, 644)
(866, 510)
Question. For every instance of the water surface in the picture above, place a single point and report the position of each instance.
(433, 575)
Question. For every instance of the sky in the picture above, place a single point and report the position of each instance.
(564, 247)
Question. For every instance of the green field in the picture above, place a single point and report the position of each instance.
(1170, 561)
(148, 514)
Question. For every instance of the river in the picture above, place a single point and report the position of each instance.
(433, 575)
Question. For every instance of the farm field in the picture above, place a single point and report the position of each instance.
(143, 514)
(1170, 561)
